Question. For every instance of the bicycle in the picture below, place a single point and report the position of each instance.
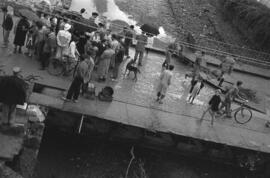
(65, 66)
(242, 114)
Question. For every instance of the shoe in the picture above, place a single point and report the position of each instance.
(160, 102)
(4, 46)
(75, 101)
(65, 99)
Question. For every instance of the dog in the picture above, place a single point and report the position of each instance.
(131, 68)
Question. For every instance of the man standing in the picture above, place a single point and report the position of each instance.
(140, 47)
(164, 83)
(4, 10)
(91, 65)
(226, 66)
(118, 60)
(7, 27)
(115, 46)
(93, 18)
(128, 39)
(81, 75)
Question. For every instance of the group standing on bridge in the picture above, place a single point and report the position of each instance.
(56, 38)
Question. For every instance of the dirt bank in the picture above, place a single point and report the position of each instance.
(202, 18)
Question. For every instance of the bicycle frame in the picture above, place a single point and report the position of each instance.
(242, 105)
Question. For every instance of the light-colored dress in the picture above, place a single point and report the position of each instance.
(165, 81)
(196, 89)
(104, 64)
(63, 39)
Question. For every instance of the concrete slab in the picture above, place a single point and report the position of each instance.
(10, 146)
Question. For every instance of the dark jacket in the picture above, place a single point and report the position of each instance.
(214, 102)
(8, 23)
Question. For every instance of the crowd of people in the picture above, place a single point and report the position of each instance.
(52, 38)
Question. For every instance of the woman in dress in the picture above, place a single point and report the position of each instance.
(104, 63)
(63, 40)
(20, 31)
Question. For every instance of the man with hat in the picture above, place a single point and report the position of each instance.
(93, 18)
(81, 76)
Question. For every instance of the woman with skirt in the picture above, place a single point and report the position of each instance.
(20, 31)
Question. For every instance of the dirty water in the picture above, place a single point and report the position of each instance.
(110, 10)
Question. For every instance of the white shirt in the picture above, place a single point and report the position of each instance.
(115, 45)
(63, 38)
(73, 50)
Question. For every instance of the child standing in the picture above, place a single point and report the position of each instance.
(164, 83)
(30, 42)
(213, 107)
(198, 85)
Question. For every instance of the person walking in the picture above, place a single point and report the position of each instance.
(115, 46)
(40, 40)
(7, 27)
(91, 65)
(48, 48)
(102, 46)
(140, 47)
(128, 39)
(230, 95)
(167, 61)
(30, 40)
(226, 67)
(213, 107)
(196, 89)
(4, 10)
(164, 83)
(119, 57)
(104, 63)
(81, 75)
(20, 31)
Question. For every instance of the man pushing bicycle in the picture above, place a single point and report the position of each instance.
(230, 95)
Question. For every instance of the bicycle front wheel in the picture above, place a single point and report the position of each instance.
(243, 116)
(55, 67)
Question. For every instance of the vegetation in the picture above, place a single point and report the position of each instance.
(251, 18)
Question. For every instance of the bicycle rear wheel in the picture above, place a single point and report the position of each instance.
(55, 67)
(243, 116)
